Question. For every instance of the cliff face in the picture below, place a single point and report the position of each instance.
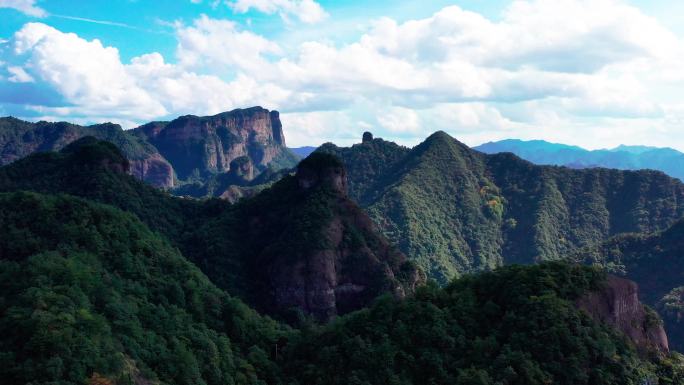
(160, 153)
(200, 146)
(617, 304)
(154, 170)
(324, 256)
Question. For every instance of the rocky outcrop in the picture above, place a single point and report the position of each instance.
(617, 304)
(201, 146)
(348, 264)
(319, 170)
(154, 170)
(188, 148)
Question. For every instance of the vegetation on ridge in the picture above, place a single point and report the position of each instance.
(455, 210)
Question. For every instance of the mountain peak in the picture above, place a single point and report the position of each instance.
(91, 151)
(322, 169)
(207, 145)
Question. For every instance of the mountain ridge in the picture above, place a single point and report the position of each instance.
(624, 157)
(336, 260)
(167, 154)
(458, 210)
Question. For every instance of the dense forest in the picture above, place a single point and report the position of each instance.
(456, 210)
(107, 280)
(91, 296)
(89, 291)
(248, 249)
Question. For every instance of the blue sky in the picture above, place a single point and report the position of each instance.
(592, 73)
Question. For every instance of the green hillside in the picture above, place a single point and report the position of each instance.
(249, 249)
(455, 210)
(91, 296)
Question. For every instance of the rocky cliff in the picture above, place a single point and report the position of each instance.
(326, 256)
(655, 262)
(189, 148)
(617, 304)
(299, 245)
(201, 146)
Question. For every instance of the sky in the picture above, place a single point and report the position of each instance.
(593, 73)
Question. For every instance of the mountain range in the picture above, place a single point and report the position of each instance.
(455, 210)
(369, 264)
(667, 160)
(189, 149)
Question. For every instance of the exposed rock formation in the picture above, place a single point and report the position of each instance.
(617, 304)
(200, 146)
(154, 170)
(242, 168)
(332, 259)
(189, 147)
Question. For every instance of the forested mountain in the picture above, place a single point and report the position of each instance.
(189, 149)
(120, 283)
(91, 296)
(656, 263)
(455, 210)
(19, 139)
(623, 157)
(300, 245)
(518, 325)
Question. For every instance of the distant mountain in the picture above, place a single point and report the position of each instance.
(19, 139)
(623, 157)
(198, 147)
(303, 152)
(300, 246)
(189, 149)
(656, 263)
(456, 210)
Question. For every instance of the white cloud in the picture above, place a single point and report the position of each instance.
(95, 84)
(307, 11)
(85, 73)
(27, 7)
(549, 69)
(316, 128)
(400, 120)
(219, 44)
(19, 75)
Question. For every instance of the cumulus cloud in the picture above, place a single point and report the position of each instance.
(220, 44)
(400, 120)
(19, 75)
(307, 11)
(27, 7)
(546, 68)
(93, 82)
(85, 73)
